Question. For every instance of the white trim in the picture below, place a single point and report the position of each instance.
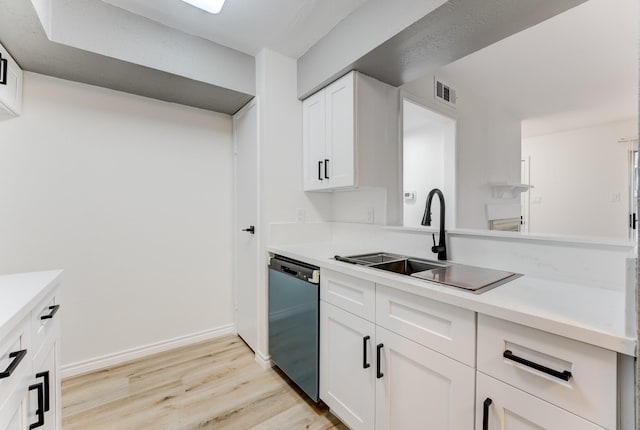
(110, 360)
(264, 361)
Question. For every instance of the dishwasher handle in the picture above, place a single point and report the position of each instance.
(296, 269)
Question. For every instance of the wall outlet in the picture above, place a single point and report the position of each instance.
(300, 215)
(370, 218)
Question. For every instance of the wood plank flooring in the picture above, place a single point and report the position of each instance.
(210, 385)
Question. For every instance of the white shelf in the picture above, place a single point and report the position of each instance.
(508, 189)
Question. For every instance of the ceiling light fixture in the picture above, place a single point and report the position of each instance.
(211, 6)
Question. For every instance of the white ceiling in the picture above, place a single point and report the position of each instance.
(575, 69)
(289, 27)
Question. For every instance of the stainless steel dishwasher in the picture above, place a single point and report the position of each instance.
(294, 321)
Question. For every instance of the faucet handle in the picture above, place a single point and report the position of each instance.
(433, 236)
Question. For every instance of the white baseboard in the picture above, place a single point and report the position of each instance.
(110, 360)
(264, 361)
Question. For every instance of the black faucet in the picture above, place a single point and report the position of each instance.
(441, 248)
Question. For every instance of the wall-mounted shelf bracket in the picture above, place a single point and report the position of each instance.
(508, 190)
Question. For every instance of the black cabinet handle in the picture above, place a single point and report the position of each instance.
(326, 166)
(53, 309)
(485, 413)
(47, 392)
(17, 358)
(365, 365)
(251, 229)
(564, 375)
(320, 170)
(379, 374)
(4, 65)
(40, 410)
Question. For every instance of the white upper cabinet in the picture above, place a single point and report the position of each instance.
(350, 135)
(10, 86)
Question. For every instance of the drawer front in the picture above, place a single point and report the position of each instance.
(533, 361)
(508, 408)
(351, 294)
(450, 330)
(13, 361)
(45, 320)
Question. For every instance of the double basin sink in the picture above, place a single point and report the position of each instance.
(470, 278)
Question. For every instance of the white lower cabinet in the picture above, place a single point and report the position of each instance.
(570, 375)
(45, 410)
(347, 366)
(502, 407)
(419, 388)
(29, 370)
(374, 378)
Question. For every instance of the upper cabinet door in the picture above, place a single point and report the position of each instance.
(10, 86)
(313, 151)
(340, 137)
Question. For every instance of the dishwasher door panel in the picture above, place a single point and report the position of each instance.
(293, 329)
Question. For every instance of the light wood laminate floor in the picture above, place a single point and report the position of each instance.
(210, 385)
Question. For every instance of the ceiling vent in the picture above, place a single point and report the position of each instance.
(445, 93)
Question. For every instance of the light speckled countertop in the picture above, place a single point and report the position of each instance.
(591, 315)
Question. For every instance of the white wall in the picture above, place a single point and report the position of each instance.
(132, 197)
(487, 148)
(280, 147)
(423, 170)
(581, 180)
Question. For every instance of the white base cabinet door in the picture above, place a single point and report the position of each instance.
(418, 388)
(502, 407)
(45, 371)
(347, 366)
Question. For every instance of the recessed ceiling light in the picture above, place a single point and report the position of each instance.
(211, 6)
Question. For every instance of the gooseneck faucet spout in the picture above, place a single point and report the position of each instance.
(441, 248)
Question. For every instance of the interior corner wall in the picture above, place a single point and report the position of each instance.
(590, 160)
(280, 163)
(132, 197)
(488, 142)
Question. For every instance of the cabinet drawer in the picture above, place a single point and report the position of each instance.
(534, 361)
(351, 294)
(510, 408)
(13, 360)
(45, 319)
(450, 330)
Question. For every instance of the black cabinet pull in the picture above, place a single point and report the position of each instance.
(251, 229)
(326, 166)
(47, 392)
(365, 365)
(564, 375)
(53, 309)
(379, 374)
(40, 410)
(4, 65)
(17, 358)
(320, 170)
(485, 413)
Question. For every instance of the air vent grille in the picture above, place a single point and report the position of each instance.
(445, 93)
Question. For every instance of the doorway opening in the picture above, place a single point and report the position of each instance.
(429, 142)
